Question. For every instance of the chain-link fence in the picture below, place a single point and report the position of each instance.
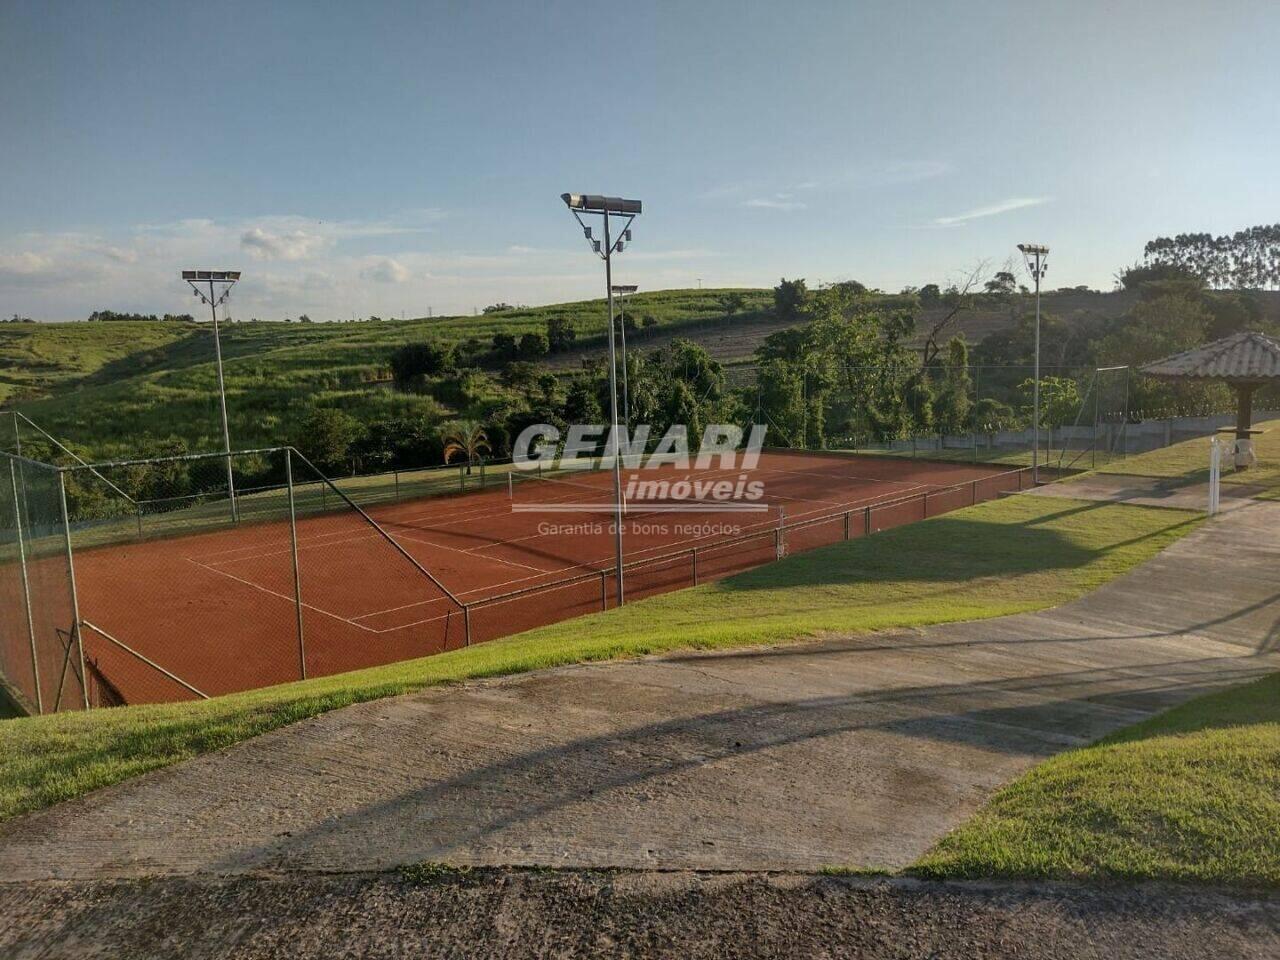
(40, 644)
(189, 576)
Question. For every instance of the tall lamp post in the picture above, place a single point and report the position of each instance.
(622, 289)
(226, 279)
(1036, 256)
(596, 205)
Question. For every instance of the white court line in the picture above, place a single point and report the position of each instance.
(291, 600)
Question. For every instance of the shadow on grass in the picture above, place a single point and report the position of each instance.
(975, 549)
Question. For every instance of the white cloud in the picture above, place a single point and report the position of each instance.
(992, 210)
(386, 270)
(774, 203)
(24, 264)
(294, 245)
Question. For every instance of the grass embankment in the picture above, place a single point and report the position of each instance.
(1188, 462)
(1006, 556)
(1190, 795)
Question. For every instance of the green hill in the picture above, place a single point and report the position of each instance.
(107, 386)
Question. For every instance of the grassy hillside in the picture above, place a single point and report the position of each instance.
(104, 385)
(108, 386)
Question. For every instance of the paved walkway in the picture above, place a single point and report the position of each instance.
(849, 751)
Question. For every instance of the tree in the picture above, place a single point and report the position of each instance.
(560, 334)
(533, 345)
(649, 322)
(1059, 400)
(780, 400)
(1003, 284)
(952, 403)
(325, 437)
(466, 439)
(505, 346)
(956, 299)
(412, 360)
(498, 308)
(732, 304)
(581, 404)
(930, 295)
(789, 298)
(303, 318)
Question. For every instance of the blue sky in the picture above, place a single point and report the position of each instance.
(387, 157)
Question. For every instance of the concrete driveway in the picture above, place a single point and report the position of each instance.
(858, 751)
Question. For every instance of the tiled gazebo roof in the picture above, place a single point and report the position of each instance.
(1239, 358)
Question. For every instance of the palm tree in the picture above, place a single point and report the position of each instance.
(464, 438)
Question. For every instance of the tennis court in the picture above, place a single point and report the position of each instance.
(228, 610)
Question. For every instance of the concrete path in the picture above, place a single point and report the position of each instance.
(849, 751)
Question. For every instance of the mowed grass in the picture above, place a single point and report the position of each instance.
(1188, 462)
(1190, 795)
(1007, 556)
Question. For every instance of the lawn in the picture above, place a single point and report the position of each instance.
(1000, 557)
(1188, 461)
(1190, 795)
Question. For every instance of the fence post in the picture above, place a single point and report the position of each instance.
(846, 524)
(26, 585)
(396, 479)
(693, 557)
(604, 591)
(466, 624)
(139, 521)
(75, 599)
(974, 499)
(866, 521)
(297, 574)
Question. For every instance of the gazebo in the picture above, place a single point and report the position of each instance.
(1245, 361)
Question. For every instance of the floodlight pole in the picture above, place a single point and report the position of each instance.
(622, 290)
(222, 404)
(594, 204)
(613, 414)
(213, 300)
(1035, 254)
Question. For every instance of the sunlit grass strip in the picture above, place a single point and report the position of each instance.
(1190, 795)
(1188, 462)
(1000, 557)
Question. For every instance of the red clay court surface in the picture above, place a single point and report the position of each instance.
(218, 609)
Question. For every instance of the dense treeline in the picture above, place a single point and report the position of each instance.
(105, 316)
(1248, 259)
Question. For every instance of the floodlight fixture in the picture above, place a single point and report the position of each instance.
(581, 204)
(595, 203)
(226, 279)
(1036, 256)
